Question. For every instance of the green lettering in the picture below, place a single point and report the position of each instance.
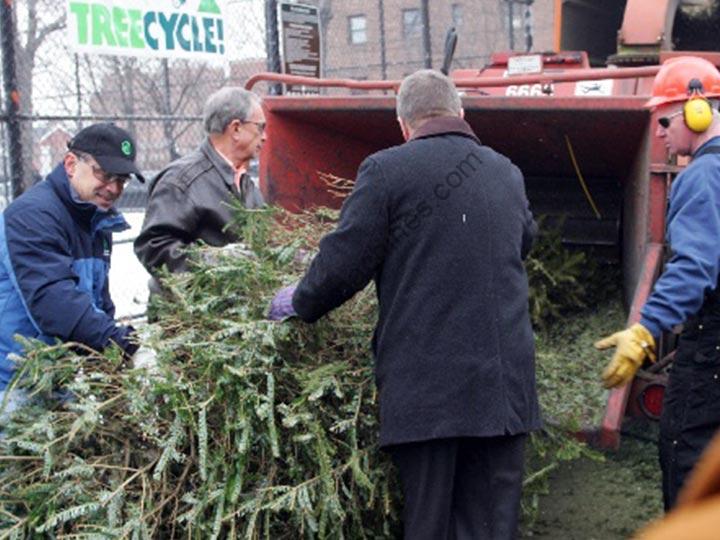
(81, 13)
(136, 40)
(209, 36)
(121, 26)
(101, 27)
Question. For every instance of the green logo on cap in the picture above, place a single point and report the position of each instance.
(126, 147)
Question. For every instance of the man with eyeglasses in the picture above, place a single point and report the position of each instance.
(683, 99)
(55, 245)
(191, 199)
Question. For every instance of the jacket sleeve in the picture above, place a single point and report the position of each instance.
(42, 265)
(170, 221)
(530, 228)
(692, 271)
(349, 256)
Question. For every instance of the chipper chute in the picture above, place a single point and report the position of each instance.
(585, 158)
(581, 135)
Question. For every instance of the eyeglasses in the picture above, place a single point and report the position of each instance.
(665, 121)
(260, 125)
(105, 177)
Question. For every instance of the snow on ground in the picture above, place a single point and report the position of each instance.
(128, 278)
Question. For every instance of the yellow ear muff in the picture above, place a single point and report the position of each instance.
(698, 114)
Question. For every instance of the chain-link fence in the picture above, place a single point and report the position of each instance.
(159, 100)
(57, 90)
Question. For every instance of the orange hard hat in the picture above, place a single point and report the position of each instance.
(672, 82)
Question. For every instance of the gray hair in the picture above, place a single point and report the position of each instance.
(427, 93)
(227, 104)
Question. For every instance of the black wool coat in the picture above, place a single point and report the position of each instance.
(442, 224)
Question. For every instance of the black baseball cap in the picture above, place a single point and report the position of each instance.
(111, 146)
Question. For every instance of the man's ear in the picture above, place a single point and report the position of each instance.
(232, 128)
(70, 162)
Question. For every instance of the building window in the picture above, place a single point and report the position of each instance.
(412, 23)
(516, 14)
(357, 29)
(456, 11)
(517, 9)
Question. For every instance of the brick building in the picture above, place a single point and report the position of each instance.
(377, 39)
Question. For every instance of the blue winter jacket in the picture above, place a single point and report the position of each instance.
(54, 263)
(693, 233)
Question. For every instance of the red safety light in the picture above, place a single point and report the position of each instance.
(651, 400)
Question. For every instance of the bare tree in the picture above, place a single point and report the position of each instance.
(32, 32)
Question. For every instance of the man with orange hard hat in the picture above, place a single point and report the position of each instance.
(687, 292)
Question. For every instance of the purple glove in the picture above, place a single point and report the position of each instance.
(281, 307)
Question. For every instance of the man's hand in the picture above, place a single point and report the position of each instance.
(633, 345)
(281, 307)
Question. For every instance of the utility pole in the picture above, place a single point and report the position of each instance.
(78, 92)
(167, 111)
(272, 43)
(12, 97)
(427, 44)
(511, 24)
(383, 59)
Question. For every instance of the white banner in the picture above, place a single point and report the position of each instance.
(170, 28)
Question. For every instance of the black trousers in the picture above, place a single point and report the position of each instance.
(691, 407)
(462, 488)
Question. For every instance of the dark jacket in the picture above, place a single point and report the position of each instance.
(54, 264)
(191, 200)
(442, 225)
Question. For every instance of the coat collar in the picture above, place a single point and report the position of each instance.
(219, 162)
(441, 125)
(715, 141)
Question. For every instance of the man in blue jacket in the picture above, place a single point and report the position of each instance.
(55, 244)
(441, 224)
(687, 291)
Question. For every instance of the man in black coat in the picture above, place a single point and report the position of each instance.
(442, 224)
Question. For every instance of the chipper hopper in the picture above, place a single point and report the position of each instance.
(581, 135)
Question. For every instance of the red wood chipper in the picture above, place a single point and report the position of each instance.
(580, 134)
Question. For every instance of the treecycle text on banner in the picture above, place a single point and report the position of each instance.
(168, 28)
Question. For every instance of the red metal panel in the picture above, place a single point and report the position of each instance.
(647, 22)
(334, 134)
(327, 136)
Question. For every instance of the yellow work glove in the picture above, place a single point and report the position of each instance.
(633, 345)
